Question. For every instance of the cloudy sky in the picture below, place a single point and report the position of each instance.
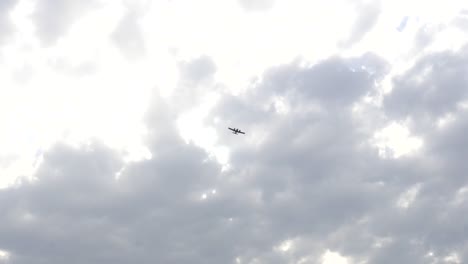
(114, 145)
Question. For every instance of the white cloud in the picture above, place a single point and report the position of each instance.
(333, 258)
(394, 141)
(3, 255)
(407, 198)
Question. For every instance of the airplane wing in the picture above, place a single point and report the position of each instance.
(236, 130)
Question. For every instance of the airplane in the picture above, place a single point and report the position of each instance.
(236, 131)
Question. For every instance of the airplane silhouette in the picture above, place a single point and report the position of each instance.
(236, 131)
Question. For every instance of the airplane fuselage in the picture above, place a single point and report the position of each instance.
(236, 131)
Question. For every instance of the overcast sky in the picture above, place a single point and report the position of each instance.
(114, 145)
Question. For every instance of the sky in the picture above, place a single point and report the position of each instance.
(114, 145)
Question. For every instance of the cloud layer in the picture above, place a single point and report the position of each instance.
(307, 183)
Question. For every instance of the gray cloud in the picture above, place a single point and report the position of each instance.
(311, 172)
(333, 82)
(53, 18)
(426, 35)
(196, 79)
(432, 88)
(368, 14)
(310, 175)
(197, 70)
(76, 206)
(312, 159)
(128, 36)
(153, 211)
(6, 27)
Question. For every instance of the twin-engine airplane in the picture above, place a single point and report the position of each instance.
(236, 130)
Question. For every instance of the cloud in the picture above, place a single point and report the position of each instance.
(313, 159)
(256, 5)
(128, 36)
(6, 26)
(461, 21)
(367, 16)
(305, 183)
(76, 205)
(425, 36)
(198, 69)
(432, 88)
(196, 80)
(309, 177)
(332, 82)
(53, 18)
(304, 171)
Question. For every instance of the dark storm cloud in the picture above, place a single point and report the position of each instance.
(53, 18)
